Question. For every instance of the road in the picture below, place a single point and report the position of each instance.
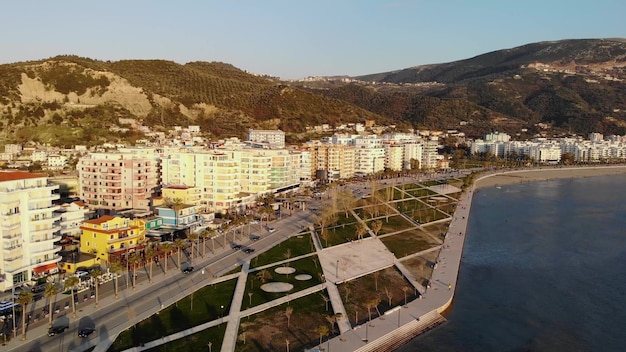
(114, 316)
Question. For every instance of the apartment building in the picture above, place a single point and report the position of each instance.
(269, 138)
(336, 160)
(111, 237)
(119, 180)
(71, 217)
(29, 227)
(186, 195)
(369, 155)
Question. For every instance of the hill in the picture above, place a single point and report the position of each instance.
(83, 98)
(559, 87)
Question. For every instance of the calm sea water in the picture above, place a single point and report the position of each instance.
(544, 269)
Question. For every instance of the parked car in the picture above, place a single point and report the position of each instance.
(84, 332)
(271, 229)
(248, 250)
(255, 237)
(255, 221)
(55, 330)
(188, 269)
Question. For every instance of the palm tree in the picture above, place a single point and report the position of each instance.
(404, 290)
(263, 275)
(51, 291)
(23, 300)
(95, 275)
(203, 235)
(166, 247)
(361, 230)
(376, 226)
(322, 330)
(288, 312)
(192, 237)
(115, 268)
(134, 260)
(326, 300)
(180, 244)
(70, 283)
(149, 255)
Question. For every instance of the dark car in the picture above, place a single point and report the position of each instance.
(84, 332)
(248, 250)
(235, 246)
(255, 237)
(55, 330)
(188, 269)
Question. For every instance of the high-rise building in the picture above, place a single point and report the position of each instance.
(29, 227)
(118, 180)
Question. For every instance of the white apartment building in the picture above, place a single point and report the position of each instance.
(394, 156)
(429, 154)
(56, 161)
(271, 138)
(29, 227)
(71, 216)
(369, 155)
(231, 179)
(125, 179)
(413, 154)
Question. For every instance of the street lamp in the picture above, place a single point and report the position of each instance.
(221, 311)
(210, 344)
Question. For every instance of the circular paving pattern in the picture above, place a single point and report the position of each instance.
(276, 287)
(285, 270)
(303, 277)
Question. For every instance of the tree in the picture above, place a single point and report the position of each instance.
(376, 226)
(326, 300)
(405, 288)
(263, 275)
(192, 237)
(134, 260)
(51, 291)
(180, 244)
(115, 268)
(288, 312)
(95, 275)
(150, 254)
(346, 291)
(203, 236)
(322, 330)
(70, 283)
(24, 298)
(361, 230)
(166, 247)
(389, 295)
(376, 276)
(287, 256)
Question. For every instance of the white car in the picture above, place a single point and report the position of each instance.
(271, 229)
(254, 222)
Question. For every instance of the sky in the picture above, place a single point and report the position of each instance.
(294, 39)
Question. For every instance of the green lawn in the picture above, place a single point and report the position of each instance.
(180, 316)
(298, 245)
(197, 342)
(392, 224)
(339, 234)
(309, 265)
(408, 242)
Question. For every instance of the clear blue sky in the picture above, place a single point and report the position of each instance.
(296, 38)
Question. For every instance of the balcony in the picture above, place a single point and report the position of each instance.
(8, 225)
(53, 250)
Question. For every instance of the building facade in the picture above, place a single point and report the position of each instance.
(29, 228)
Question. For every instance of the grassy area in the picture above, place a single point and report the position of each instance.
(207, 303)
(297, 246)
(197, 342)
(378, 287)
(343, 220)
(309, 265)
(422, 266)
(422, 192)
(270, 330)
(408, 242)
(392, 224)
(339, 234)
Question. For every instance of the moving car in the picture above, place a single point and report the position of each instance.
(188, 269)
(84, 332)
(235, 246)
(55, 330)
(255, 237)
(248, 250)
(271, 229)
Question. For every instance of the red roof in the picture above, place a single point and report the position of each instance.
(18, 175)
(100, 220)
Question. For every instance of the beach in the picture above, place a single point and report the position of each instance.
(501, 178)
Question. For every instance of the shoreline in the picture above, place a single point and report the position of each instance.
(536, 175)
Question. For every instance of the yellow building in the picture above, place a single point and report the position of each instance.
(112, 237)
(186, 195)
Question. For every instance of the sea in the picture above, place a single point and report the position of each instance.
(543, 269)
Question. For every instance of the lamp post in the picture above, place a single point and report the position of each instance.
(210, 344)
(221, 311)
